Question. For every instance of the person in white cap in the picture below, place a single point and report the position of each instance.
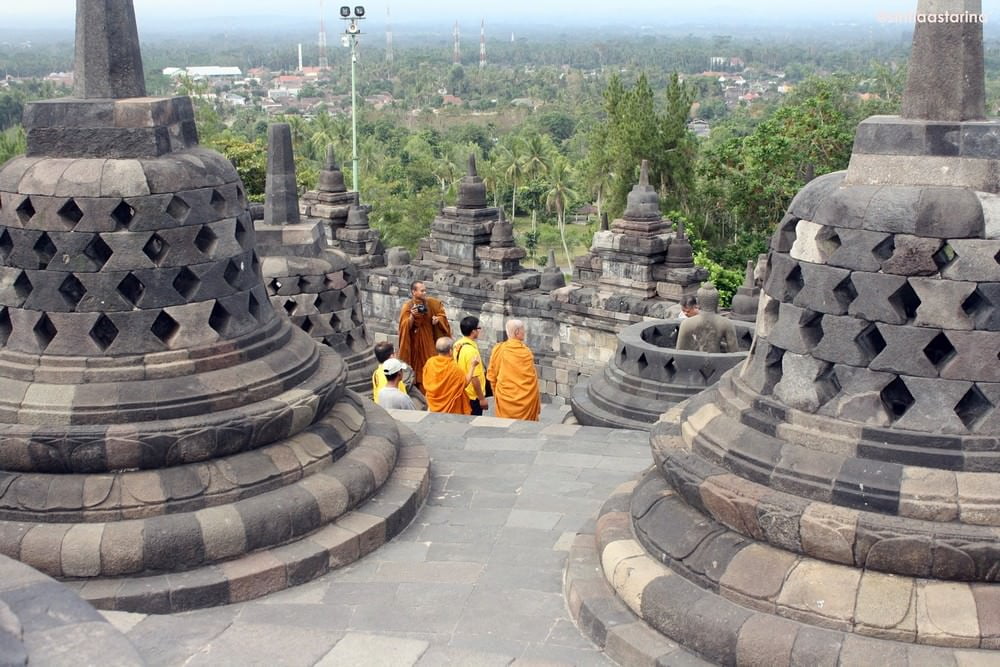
(390, 397)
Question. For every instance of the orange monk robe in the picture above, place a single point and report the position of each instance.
(444, 386)
(417, 334)
(514, 380)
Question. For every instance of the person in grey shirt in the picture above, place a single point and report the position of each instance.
(391, 398)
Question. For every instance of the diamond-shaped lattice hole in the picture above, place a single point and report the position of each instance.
(186, 282)
(206, 240)
(845, 292)
(23, 286)
(827, 385)
(905, 301)
(6, 244)
(255, 263)
(72, 290)
(156, 248)
(6, 327)
(642, 363)
(939, 351)
(131, 288)
(319, 303)
(274, 286)
(811, 328)
(623, 356)
(70, 213)
(896, 398)
(794, 282)
(707, 370)
(219, 319)
(291, 306)
(45, 331)
(104, 332)
(178, 209)
(828, 241)
(945, 256)
(307, 325)
(973, 407)
(98, 251)
(977, 306)
(996, 257)
(870, 341)
(772, 311)
(123, 216)
(334, 322)
(218, 202)
(253, 307)
(232, 274)
(670, 369)
(165, 328)
(241, 233)
(25, 211)
(885, 249)
(358, 318)
(45, 250)
(773, 370)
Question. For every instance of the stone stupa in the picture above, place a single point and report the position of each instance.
(167, 441)
(836, 499)
(314, 284)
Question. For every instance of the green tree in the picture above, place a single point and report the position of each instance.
(12, 143)
(559, 197)
(633, 130)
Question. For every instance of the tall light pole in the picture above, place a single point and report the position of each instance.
(350, 39)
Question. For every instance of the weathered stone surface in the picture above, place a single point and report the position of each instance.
(108, 61)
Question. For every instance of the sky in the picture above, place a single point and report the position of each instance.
(157, 14)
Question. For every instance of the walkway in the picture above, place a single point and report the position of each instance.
(475, 580)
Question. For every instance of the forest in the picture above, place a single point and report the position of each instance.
(558, 125)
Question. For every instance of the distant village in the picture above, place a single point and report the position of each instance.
(305, 91)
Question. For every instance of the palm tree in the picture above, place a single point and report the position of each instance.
(558, 198)
(326, 129)
(513, 170)
(537, 154)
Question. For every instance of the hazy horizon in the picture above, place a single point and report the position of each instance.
(155, 16)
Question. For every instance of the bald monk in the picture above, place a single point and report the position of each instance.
(513, 376)
(444, 381)
(422, 320)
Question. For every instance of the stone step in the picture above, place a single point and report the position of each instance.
(605, 620)
(731, 489)
(592, 411)
(775, 618)
(348, 538)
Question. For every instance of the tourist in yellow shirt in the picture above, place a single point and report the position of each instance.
(465, 351)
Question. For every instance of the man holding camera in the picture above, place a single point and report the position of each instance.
(422, 321)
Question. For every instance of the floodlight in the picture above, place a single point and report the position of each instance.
(345, 12)
(359, 11)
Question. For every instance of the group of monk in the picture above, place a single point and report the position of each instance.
(448, 374)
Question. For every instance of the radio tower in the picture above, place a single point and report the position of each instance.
(388, 36)
(482, 44)
(456, 56)
(323, 63)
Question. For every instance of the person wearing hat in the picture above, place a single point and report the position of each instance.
(390, 397)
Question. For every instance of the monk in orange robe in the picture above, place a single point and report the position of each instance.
(444, 381)
(513, 376)
(422, 321)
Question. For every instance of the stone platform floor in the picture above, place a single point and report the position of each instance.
(476, 579)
